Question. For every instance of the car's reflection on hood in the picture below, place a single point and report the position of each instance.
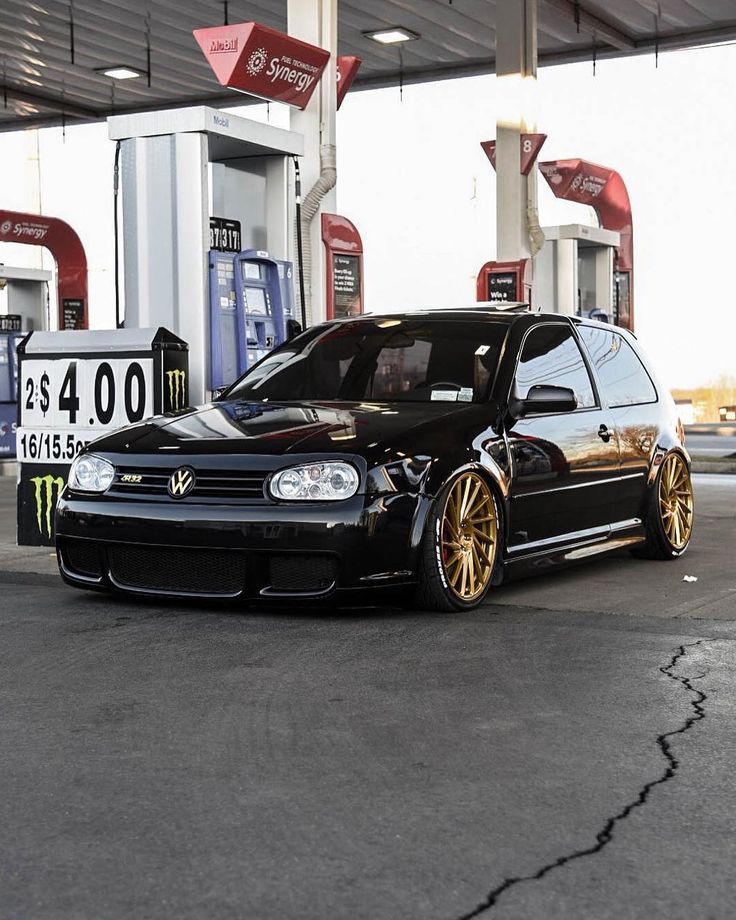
(242, 426)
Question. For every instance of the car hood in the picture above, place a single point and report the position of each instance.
(242, 428)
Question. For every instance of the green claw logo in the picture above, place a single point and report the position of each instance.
(45, 500)
(177, 389)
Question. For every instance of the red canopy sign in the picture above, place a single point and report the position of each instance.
(254, 59)
(605, 191)
(529, 147)
(347, 68)
(71, 261)
(601, 188)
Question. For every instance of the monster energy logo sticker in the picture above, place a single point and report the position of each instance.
(177, 389)
(45, 500)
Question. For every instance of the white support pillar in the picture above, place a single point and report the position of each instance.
(315, 21)
(604, 278)
(516, 74)
(566, 254)
(165, 221)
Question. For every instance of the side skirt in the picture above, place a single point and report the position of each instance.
(571, 548)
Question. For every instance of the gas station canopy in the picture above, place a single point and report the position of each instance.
(54, 53)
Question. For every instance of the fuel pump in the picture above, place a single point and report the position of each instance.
(10, 338)
(259, 305)
(251, 303)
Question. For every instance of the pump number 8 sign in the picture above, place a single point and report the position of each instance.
(66, 402)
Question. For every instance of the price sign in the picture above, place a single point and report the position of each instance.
(66, 402)
(11, 322)
(225, 234)
(75, 386)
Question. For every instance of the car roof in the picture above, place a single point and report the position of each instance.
(481, 311)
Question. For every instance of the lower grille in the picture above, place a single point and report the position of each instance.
(302, 573)
(177, 571)
(82, 557)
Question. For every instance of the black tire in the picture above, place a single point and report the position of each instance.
(434, 590)
(658, 543)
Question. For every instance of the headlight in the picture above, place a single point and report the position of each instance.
(330, 481)
(89, 473)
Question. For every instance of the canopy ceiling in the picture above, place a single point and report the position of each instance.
(50, 50)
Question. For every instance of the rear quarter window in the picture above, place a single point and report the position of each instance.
(624, 379)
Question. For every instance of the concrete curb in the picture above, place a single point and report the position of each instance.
(728, 467)
(9, 468)
(719, 429)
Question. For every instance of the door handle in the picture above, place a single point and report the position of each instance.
(605, 433)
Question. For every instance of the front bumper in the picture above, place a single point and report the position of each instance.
(245, 551)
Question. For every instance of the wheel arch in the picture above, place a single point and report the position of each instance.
(659, 455)
(500, 487)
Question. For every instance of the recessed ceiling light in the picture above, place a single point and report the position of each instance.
(392, 36)
(119, 73)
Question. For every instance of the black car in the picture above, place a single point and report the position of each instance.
(436, 452)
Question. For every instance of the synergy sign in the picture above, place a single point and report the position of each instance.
(66, 247)
(254, 59)
(22, 230)
(576, 180)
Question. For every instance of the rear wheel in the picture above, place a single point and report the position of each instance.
(458, 554)
(669, 517)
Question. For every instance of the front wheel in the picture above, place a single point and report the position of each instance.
(458, 554)
(669, 516)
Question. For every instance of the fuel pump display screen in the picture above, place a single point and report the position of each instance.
(251, 272)
(255, 299)
(346, 284)
(501, 287)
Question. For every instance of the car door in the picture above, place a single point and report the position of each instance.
(565, 465)
(630, 393)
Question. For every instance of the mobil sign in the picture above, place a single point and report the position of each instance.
(260, 61)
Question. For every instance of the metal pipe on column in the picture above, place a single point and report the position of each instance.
(316, 21)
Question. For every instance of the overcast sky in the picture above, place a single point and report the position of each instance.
(414, 180)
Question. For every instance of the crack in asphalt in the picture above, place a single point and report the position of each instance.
(605, 835)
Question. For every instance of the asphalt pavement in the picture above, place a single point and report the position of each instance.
(565, 752)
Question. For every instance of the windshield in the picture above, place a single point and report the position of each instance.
(385, 360)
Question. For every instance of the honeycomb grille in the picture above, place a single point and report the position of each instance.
(178, 571)
(82, 557)
(302, 572)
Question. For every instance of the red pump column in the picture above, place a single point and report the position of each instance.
(66, 248)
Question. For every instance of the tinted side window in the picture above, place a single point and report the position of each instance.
(624, 379)
(550, 356)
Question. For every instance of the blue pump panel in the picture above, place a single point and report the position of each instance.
(260, 305)
(225, 366)
(251, 299)
(286, 283)
(9, 342)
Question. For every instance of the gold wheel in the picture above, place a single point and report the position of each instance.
(676, 500)
(468, 536)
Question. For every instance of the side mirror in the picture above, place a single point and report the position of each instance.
(293, 327)
(217, 393)
(542, 399)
